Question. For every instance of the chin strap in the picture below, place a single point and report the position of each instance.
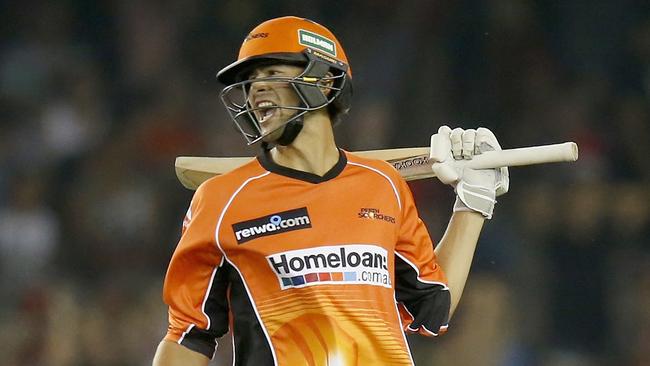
(291, 131)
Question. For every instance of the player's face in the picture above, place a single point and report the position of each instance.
(267, 95)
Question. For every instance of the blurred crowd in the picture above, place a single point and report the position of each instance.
(97, 98)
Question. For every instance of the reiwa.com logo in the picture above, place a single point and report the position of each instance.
(276, 223)
(314, 40)
(339, 264)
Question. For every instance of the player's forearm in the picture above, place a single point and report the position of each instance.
(173, 354)
(456, 250)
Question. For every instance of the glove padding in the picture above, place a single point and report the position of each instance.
(476, 189)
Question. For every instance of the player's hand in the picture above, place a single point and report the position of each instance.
(476, 189)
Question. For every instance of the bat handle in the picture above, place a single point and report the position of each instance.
(555, 153)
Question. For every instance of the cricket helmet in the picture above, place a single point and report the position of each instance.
(325, 81)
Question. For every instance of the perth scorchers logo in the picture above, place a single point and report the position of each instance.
(374, 214)
(255, 36)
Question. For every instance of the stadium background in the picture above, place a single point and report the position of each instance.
(98, 97)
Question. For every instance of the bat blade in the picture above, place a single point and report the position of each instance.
(412, 163)
(194, 170)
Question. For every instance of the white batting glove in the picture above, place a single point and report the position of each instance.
(476, 189)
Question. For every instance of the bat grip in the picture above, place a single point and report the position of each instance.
(567, 151)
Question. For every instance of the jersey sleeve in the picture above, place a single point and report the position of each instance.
(196, 285)
(422, 294)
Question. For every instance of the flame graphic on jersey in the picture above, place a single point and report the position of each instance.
(317, 340)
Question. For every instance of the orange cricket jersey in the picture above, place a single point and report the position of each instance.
(306, 270)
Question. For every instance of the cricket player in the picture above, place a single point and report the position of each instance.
(310, 255)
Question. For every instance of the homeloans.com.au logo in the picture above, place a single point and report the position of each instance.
(340, 264)
(276, 223)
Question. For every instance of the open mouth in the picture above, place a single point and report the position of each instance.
(265, 110)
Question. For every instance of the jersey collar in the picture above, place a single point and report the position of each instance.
(267, 162)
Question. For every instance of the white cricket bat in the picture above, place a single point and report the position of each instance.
(412, 163)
